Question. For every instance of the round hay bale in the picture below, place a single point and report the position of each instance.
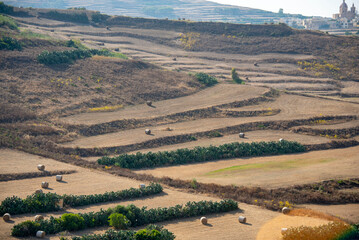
(39, 218)
(44, 184)
(6, 217)
(285, 210)
(242, 219)
(148, 131)
(149, 103)
(255, 64)
(241, 135)
(117, 49)
(58, 178)
(284, 230)
(281, 139)
(142, 185)
(40, 234)
(38, 191)
(174, 59)
(41, 167)
(204, 220)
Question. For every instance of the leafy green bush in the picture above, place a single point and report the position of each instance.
(146, 234)
(9, 22)
(47, 202)
(72, 222)
(206, 79)
(202, 154)
(163, 234)
(24, 229)
(137, 217)
(118, 221)
(235, 77)
(9, 43)
(58, 57)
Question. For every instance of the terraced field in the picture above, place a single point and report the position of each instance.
(277, 101)
(270, 172)
(164, 49)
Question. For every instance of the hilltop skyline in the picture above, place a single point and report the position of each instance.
(324, 8)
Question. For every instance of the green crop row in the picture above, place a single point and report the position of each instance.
(42, 202)
(136, 216)
(202, 154)
(151, 232)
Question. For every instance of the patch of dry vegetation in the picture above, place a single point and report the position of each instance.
(85, 84)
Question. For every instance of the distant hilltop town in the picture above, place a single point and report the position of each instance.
(345, 19)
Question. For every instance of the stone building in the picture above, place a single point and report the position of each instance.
(344, 12)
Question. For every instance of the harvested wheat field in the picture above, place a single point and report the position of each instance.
(270, 172)
(252, 136)
(220, 94)
(75, 183)
(272, 229)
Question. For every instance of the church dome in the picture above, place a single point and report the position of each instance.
(343, 7)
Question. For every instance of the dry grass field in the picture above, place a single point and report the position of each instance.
(270, 172)
(51, 121)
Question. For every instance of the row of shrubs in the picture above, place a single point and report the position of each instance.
(70, 56)
(202, 154)
(47, 202)
(70, 16)
(151, 232)
(9, 43)
(134, 217)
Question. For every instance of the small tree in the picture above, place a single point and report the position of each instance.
(72, 222)
(235, 77)
(119, 221)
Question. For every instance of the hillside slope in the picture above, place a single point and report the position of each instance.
(82, 85)
(197, 10)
